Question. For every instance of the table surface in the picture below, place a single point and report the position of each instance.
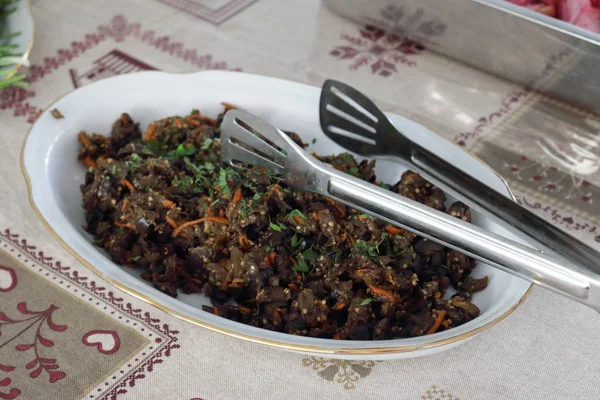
(67, 334)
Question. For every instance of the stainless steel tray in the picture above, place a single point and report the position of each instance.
(528, 48)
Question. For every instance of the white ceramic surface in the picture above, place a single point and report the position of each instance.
(50, 165)
(20, 21)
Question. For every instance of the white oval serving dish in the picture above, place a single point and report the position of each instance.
(53, 175)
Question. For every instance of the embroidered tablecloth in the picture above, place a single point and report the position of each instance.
(67, 334)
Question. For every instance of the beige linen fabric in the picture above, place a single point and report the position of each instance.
(546, 349)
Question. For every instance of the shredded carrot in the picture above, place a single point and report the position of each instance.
(437, 323)
(150, 131)
(339, 306)
(243, 241)
(292, 260)
(125, 226)
(193, 122)
(210, 212)
(89, 162)
(168, 203)
(128, 184)
(266, 259)
(171, 222)
(178, 123)
(272, 257)
(84, 139)
(352, 239)
(361, 218)
(220, 239)
(362, 271)
(208, 120)
(221, 213)
(181, 227)
(394, 231)
(315, 217)
(215, 310)
(299, 220)
(237, 283)
(125, 204)
(446, 324)
(336, 336)
(382, 292)
(315, 155)
(237, 196)
(228, 106)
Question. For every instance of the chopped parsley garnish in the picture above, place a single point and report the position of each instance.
(301, 266)
(207, 143)
(295, 240)
(365, 249)
(182, 151)
(295, 213)
(353, 171)
(366, 301)
(385, 185)
(310, 255)
(275, 227)
(314, 141)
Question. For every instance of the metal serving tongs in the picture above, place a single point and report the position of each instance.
(249, 141)
(352, 120)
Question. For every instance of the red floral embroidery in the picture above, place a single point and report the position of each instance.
(378, 49)
(169, 335)
(8, 279)
(35, 322)
(106, 342)
(12, 393)
(118, 30)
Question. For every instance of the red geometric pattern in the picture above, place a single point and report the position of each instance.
(119, 29)
(224, 10)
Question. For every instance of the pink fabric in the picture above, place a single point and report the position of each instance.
(583, 13)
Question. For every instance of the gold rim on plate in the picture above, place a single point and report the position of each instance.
(251, 338)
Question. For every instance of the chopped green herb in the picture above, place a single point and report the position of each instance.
(310, 255)
(136, 258)
(268, 249)
(366, 301)
(244, 209)
(257, 196)
(353, 171)
(367, 216)
(314, 141)
(385, 185)
(113, 170)
(295, 241)
(207, 143)
(295, 213)
(91, 170)
(301, 266)
(182, 151)
(275, 227)
(223, 185)
(365, 249)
